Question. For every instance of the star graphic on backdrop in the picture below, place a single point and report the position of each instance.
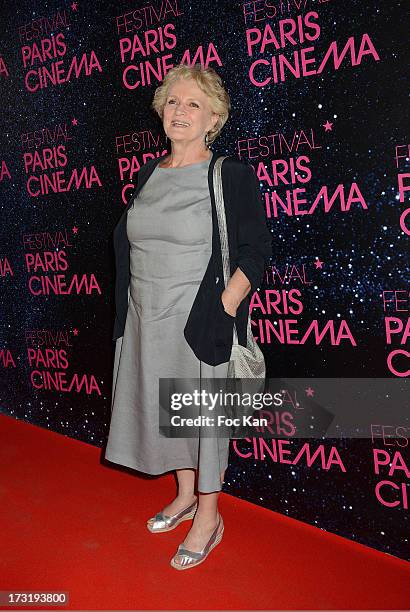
(75, 230)
(309, 392)
(327, 126)
(74, 121)
(318, 264)
(75, 332)
(74, 6)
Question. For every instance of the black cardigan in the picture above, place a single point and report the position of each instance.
(209, 329)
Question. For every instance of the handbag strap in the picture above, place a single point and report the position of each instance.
(223, 233)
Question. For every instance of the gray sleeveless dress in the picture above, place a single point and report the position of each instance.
(169, 227)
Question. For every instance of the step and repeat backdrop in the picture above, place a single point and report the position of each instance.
(318, 91)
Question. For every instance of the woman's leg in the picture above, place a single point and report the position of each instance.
(185, 494)
(205, 521)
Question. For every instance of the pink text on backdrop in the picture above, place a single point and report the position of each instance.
(403, 181)
(49, 364)
(397, 329)
(294, 32)
(281, 451)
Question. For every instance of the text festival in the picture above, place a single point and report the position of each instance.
(40, 260)
(49, 360)
(45, 58)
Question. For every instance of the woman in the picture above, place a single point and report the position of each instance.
(174, 317)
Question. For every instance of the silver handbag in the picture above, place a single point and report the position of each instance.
(245, 361)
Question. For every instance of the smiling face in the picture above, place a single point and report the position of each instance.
(187, 114)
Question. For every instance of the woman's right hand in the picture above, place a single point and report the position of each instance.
(228, 303)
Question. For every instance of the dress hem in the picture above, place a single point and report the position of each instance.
(127, 463)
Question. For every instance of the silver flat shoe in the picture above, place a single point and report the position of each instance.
(161, 522)
(189, 558)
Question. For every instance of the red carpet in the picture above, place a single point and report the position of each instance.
(71, 524)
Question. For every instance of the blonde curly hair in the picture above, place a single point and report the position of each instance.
(209, 82)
